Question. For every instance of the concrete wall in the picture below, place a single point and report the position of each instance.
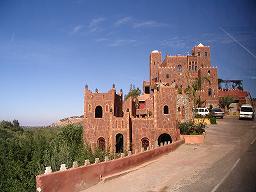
(76, 179)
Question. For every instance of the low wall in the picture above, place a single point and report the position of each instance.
(76, 179)
(193, 139)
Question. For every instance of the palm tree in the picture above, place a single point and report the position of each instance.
(196, 86)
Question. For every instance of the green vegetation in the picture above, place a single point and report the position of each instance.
(189, 128)
(134, 92)
(225, 102)
(192, 89)
(26, 152)
(213, 120)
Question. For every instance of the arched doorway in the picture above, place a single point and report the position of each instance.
(164, 138)
(101, 143)
(98, 112)
(119, 143)
(145, 143)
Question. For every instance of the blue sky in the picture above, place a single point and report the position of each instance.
(49, 49)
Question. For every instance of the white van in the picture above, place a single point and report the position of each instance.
(202, 111)
(246, 112)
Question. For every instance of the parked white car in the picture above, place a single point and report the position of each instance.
(202, 111)
(246, 112)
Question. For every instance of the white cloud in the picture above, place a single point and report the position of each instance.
(122, 21)
(149, 23)
(94, 25)
(77, 28)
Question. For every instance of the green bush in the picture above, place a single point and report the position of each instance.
(189, 128)
(26, 153)
(213, 120)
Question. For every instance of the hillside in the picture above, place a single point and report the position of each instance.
(76, 120)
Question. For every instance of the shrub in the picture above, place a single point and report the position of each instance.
(189, 128)
(26, 153)
(213, 120)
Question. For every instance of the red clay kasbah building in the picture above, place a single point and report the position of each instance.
(119, 125)
(181, 71)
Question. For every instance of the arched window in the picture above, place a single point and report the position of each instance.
(101, 143)
(98, 112)
(179, 68)
(209, 92)
(209, 72)
(145, 143)
(167, 76)
(166, 109)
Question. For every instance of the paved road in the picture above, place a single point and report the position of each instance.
(243, 175)
(225, 162)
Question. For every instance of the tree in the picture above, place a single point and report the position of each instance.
(134, 92)
(225, 102)
(199, 102)
(25, 154)
(192, 89)
(15, 126)
(15, 123)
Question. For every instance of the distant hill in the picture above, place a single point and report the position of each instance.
(69, 120)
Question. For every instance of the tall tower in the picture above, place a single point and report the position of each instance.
(203, 55)
(155, 61)
(100, 113)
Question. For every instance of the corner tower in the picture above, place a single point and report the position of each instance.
(99, 111)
